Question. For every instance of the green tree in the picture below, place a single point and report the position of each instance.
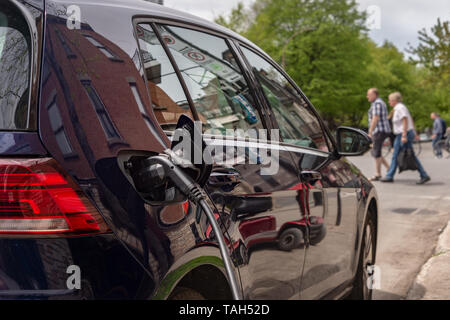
(321, 43)
(433, 51)
(432, 57)
(389, 71)
(239, 19)
(324, 47)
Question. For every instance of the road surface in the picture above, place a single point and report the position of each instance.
(411, 220)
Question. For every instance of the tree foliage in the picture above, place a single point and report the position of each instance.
(433, 59)
(324, 46)
(433, 51)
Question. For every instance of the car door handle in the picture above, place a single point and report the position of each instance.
(310, 176)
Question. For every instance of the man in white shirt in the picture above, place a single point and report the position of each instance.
(403, 127)
(402, 120)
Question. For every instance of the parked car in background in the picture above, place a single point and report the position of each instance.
(424, 137)
(86, 86)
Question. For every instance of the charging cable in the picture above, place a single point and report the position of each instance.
(165, 167)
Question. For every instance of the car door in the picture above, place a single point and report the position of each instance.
(253, 183)
(329, 195)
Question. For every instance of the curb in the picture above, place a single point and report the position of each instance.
(433, 280)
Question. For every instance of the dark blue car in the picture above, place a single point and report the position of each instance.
(88, 87)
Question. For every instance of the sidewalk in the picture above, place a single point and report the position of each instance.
(433, 281)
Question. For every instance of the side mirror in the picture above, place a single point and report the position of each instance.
(352, 142)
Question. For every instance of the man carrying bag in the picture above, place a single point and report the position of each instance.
(403, 128)
(407, 160)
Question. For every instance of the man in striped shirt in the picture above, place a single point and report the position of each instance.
(379, 129)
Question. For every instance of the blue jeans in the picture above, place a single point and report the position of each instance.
(398, 146)
(437, 146)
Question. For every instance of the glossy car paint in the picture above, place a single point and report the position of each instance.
(152, 250)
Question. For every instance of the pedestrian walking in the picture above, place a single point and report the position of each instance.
(403, 127)
(439, 128)
(379, 129)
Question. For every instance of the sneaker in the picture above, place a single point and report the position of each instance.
(423, 180)
(387, 179)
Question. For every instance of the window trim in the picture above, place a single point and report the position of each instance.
(333, 147)
(180, 23)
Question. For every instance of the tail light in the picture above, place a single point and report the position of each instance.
(38, 198)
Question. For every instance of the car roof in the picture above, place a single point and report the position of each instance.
(142, 7)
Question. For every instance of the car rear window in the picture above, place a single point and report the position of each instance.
(168, 98)
(15, 55)
(220, 94)
(215, 82)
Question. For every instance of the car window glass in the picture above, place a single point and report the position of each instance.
(168, 99)
(15, 67)
(298, 124)
(220, 93)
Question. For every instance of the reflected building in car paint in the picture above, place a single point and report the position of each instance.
(93, 104)
(87, 54)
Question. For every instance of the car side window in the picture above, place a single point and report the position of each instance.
(218, 89)
(298, 124)
(168, 99)
(15, 69)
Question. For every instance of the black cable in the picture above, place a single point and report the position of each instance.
(197, 195)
